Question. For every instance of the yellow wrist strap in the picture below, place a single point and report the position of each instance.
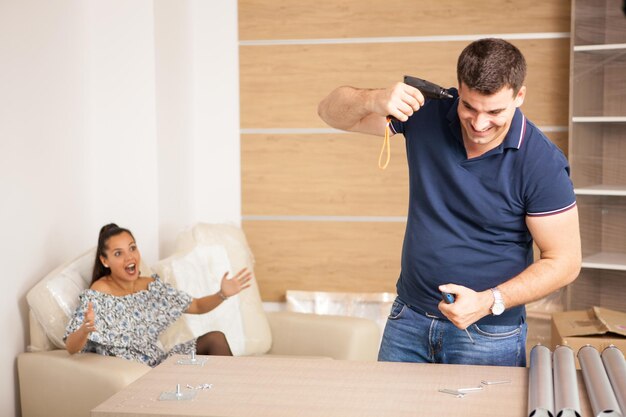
(385, 145)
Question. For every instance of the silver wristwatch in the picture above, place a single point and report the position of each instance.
(498, 302)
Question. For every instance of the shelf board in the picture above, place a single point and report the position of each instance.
(610, 190)
(599, 119)
(606, 260)
(599, 47)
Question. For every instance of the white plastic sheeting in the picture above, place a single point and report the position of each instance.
(373, 306)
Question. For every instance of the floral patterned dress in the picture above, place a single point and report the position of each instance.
(129, 326)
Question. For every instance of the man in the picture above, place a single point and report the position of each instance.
(484, 183)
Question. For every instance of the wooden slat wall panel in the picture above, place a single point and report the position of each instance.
(324, 256)
(281, 86)
(332, 175)
(327, 175)
(297, 19)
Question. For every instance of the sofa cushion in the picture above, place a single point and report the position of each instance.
(257, 338)
(198, 273)
(39, 341)
(53, 300)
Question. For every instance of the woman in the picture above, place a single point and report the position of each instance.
(123, 313)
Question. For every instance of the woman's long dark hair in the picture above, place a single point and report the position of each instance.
(107, 231)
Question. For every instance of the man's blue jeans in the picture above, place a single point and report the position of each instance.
(416, 337)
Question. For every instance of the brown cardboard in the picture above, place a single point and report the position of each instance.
(599, 327)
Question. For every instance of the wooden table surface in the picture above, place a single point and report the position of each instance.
(286, 387)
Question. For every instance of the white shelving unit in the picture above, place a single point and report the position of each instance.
(597, 150)
(608, 190)
(605, 260)
(600, 47)
(599, 119)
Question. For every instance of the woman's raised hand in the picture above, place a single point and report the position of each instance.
(89, 323)
(236, 284)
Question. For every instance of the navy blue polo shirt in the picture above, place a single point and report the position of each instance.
(466, 220)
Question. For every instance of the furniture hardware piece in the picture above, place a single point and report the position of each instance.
(456, 393)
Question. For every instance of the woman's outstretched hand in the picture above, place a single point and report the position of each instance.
(236, 284)
(89, 323)
(76, 341)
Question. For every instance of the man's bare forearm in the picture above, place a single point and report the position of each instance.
(345, 107)
(540, 279)
(366, 110)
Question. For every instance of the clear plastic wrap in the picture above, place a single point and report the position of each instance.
(373, 306)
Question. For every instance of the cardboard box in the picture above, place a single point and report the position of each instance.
(599, 327)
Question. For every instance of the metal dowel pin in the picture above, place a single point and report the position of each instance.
(456, 393)
(470, 389)
(192, 360)
(470, 336)
(504, 381)
(177, 395)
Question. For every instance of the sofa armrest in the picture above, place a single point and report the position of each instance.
(338, 337)
(53, 383)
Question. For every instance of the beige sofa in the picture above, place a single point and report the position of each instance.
(53, 383)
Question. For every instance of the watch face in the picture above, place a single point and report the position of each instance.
(497, 309)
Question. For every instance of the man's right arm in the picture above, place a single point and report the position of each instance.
(365, 111)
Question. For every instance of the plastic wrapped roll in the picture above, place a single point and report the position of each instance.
(566, 400)
(601, 397)
(540, 387)
(615, 367)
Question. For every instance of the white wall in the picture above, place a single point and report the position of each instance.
(121, 117)
(197, 115)
(88, 135)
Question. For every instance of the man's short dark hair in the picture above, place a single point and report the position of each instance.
(488, 65)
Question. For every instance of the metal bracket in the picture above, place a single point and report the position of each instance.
(177, 395)
(192, 360)
(456, 393)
